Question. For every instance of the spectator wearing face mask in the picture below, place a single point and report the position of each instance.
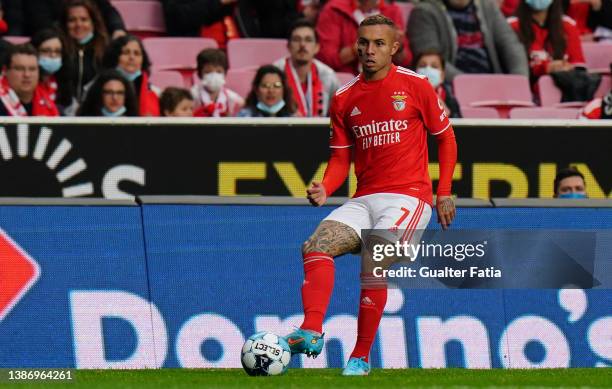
(86, 40)
(431, 64)
(110, 95)
(127, 55)
(211, 97)
(42, 14)
(569, 184)
(55, 74)
(20, 92)
(550, 39)
(270, 96)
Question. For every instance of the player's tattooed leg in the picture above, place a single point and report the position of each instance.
(333, 238)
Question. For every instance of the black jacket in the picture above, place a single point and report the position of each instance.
(255, 18)
(84, 70)
(603, 17)
(266, 18)
(185, 17)
(46, 14)
(14, 16)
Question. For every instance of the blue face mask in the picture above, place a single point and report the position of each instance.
(539, 5)
(433, 75)
(272, 110)
(117, 113)
(87, 38)
(573, 195)
(50, 65)
(129, 75)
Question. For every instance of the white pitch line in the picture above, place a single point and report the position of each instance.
(59, 153)
(71, 170)
(78, 190)
(42, 142)
(5, 147)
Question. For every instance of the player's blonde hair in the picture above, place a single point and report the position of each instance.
(376, 20)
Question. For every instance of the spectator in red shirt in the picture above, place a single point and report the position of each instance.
(551, 40)
(337, 29)
(127, 55)
(55, 75)
(20, 93)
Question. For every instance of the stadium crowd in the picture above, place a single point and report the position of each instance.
(81, 58)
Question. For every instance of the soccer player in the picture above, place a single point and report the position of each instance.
(384, 115)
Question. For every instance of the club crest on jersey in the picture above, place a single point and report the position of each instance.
(398, 102)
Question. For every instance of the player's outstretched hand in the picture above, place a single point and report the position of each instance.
(445, 205)
(316, 194)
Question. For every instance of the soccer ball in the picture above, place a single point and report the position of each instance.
(265, 354)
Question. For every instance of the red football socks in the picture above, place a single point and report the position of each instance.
(317, 289)
(371, 305)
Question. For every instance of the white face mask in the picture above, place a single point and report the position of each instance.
(213, 81)
(433, 75)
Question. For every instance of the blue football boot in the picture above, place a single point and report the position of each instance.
(305, 342)
(357, 366)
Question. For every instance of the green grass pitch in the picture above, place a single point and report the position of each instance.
(330, 378)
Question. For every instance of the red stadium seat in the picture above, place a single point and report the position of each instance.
(16, 40)
(544, 113)
(344, 77)
(144, 18)
(239, 80)
(254, 52)
(165, 78)
(597, 56)
(176, 53)
(479, 113)
(550, 95)
(500, 91)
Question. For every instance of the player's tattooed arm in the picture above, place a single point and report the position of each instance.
(445, 205)
(333, 238)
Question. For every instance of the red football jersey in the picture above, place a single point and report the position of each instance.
(387, 123)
